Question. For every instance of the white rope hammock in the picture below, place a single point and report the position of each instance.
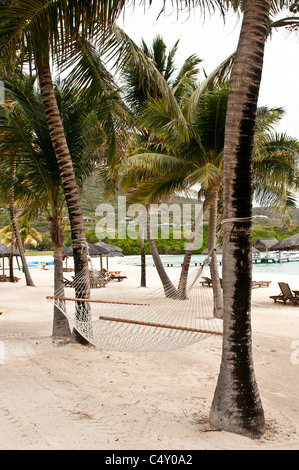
(113, 318)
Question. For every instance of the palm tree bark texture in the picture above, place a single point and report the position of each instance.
(60, 323)
(15, 228)
(237, 405)
(71, 191)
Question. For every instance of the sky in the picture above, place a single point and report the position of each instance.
(213, 41)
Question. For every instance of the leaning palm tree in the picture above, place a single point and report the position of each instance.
(199, 159)
(88, 126)
(9, 195)
(138, 91)
(195, 160)
(36, 31)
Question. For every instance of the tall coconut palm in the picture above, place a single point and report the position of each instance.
(37, 30)
(15, 229)
(237, 405)
(88, 126)
(138, 92)
(199, 159)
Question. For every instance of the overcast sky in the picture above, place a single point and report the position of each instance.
(213, 41)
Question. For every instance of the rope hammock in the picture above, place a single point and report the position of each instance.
(113, 318)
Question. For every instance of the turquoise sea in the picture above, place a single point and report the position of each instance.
(290, 267)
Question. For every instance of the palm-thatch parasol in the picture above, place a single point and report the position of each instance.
(218, 249)
(5, 252)
(290, 243)
(95, 250)
(113, 251)
(264, 244)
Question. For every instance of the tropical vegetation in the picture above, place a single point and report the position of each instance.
(79, 34)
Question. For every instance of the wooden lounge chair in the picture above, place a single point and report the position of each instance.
(206, 281)
(4, 278)
(261, 283)
(285, 295)
(96, 280)
(110, 273)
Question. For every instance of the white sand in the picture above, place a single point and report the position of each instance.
(57, 395)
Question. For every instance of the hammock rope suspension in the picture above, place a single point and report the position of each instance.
(115, 319)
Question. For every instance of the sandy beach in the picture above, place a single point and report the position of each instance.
(61, 395)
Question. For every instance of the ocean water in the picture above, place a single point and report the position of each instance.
(290, 267)
(173, 262)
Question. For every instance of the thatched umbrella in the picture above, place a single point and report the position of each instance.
(218, 249)
(290, 243)
(94, 250)
(265, 243)
(113, 251)
(110, 248)
(5, 252)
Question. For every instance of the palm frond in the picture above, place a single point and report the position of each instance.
(37, 24)
(123, 53)
(206, 175)
(216, 77)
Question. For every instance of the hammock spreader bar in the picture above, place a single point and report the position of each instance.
(160, 325)
(98, 301)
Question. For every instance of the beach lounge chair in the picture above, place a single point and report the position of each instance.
(285, 295)
(96, 280)
(4, 278)
(110, 273)
(117, 278)
(112, 276)
(68, 283)
(261, 283)
(206, 281)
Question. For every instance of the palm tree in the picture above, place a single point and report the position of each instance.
(36, 31)
(10, 193)
(200, 159)
(29, 235)
(195, 160)
(138, 92)
(275, 164)
(237, 405)
(88, 125)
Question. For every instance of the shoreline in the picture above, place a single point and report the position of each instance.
(61, 395)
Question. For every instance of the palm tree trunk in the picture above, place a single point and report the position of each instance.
(15, 228)
(68, 179)
(60, 323)
(143, 257)
(169, 289)
(237, 405)
(217, 290)
(11, 273)
(182, 287)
